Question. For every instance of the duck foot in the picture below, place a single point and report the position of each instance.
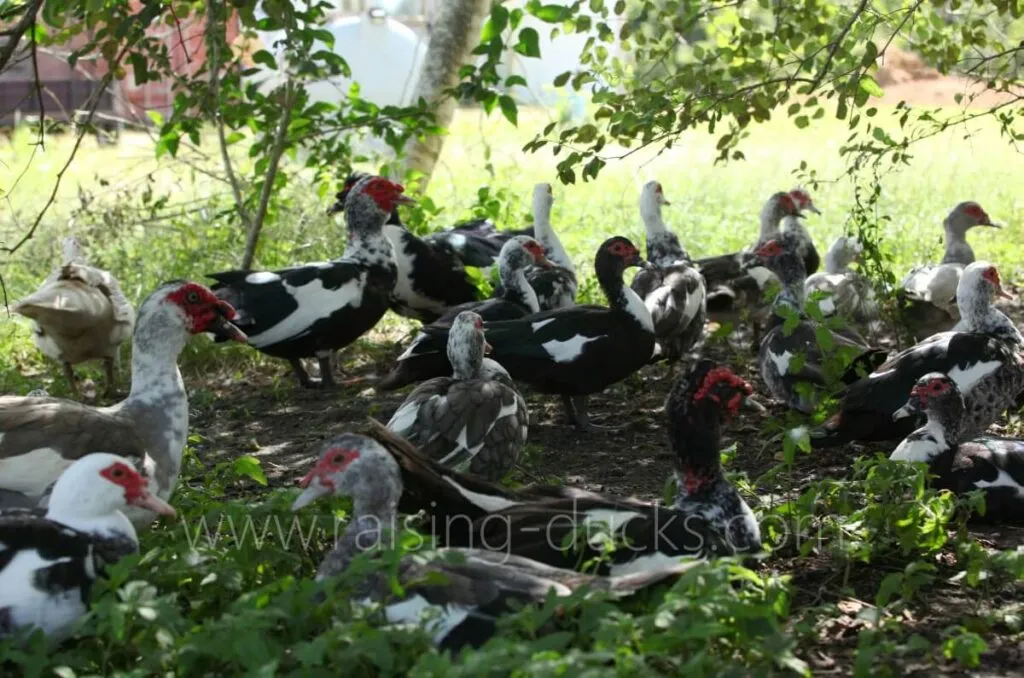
(576, 413)
(108, 372)
(325, 381)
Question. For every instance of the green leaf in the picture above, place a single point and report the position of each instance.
(801, 121)
(266, 58)
(495, 24)
(508, 108)
(529, 43)
(561, 79)
(513, 80)
(871, 86)
(549, 13)
(250, 467)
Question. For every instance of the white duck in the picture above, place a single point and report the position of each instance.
(79, 314)
(49, 562)
(846, 293)
(40, 437)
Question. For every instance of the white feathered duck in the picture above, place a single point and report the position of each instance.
(843, 291)
(79, 314)
(571, 352)
(959, 463)
(672, 289)
(796, 353)
(473, 421)
(49, 561)
(312, 310)
(458, 594)
(41, 437)
(707, 519)
(983, 354)
(927, 294)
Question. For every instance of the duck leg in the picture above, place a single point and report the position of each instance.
(108, 371)
(69, 374)
(301, 374)
(326, 373)
(580, 419)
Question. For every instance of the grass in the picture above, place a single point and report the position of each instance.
(148, 220)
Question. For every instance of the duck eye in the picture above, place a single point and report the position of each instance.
(192, 297)
(118, 472)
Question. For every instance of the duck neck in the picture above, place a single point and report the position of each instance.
(623, 298)
(835, 262)
(770, 221)
(516, 288)
(976, 311)
(113, 524)
(158, 402)
(696, 440)
(791, 295)
(945, 421)
(545, 235)
(374, 521)
(369, 246)
(958, 251)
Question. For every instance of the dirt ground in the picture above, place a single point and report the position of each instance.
(264, 414)
(905, 77)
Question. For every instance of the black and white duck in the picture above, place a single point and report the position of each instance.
(470, 421)
(457, 593)
(672, 289)
(844, 292)
(571, 352)
(797, 353)
(927, 294)
(793, 225)
(476, 242)
(48, 562)
(518, 299)
(431, 275)
(982, 355)
(316, 309)
(960, 464)
(707, 519)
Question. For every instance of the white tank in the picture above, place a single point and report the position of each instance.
(385, 57)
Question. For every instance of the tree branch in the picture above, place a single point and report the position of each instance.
(836, 43)
(213, 36)
(15, 32)
(273, 161)
(39, 87)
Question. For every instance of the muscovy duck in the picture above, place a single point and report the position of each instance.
(793, 225)
(555, 285)
(672, 289)
(431, 277)
(846, 293)
(79, 314)
(470, 421)
(989, 463)
(316, 309)
(476, 242)
(49, 562)
(40, 437)
(792, 360)
(927, 294)
(518, 299)
(572, 352)
(458, 592)
(708, 518)
(984, 355)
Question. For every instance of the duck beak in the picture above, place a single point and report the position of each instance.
(813, 208)
(1000, 292)
(907, 410)
(314, 489)
(336, 207)
(989, 223)
(751, 404)
(487, 348)
(153, 503)
(543, 262)
(404, 200)
(222, 325)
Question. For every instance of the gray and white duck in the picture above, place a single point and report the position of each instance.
(457, 593)
(571, 352)
(983, 355)
(48, 562)
(473, 421)
(78, 314)
(517, 299)
(961, 464)
(792, 360)
(315, 309)
(843, 291)
(555, 284)
(707, 519)
(41, 437)
(672, 289)
(927, 294)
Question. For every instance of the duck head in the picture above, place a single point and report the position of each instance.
(844, 251)
(979, 283)
(652, 197)
(353, 466)
(99, 485)
(803, 201)
(521, 251)
(965, 216)
(938, 397)
(615, 255)
(779, 255)
(543, 200)
(187, 305)
(466, 345)
(386, 197)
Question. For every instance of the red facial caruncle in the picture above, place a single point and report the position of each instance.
(201, 306)
(624, 250)
(334, 460)
(935, 387)
(121, 474)
(723, 376)
(787, 203)
(387, 194)
(974, 210)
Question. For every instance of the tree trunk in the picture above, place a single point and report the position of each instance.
(453, 36)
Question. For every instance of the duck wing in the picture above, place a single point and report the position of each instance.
(40, 437)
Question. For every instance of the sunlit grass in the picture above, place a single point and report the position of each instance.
(130, 229)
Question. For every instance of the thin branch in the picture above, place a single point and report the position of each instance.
(992, 57)
(823, 71)
(18, 30)
(181, 37)
(213, 35)
(273, 161)
(39, 87)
